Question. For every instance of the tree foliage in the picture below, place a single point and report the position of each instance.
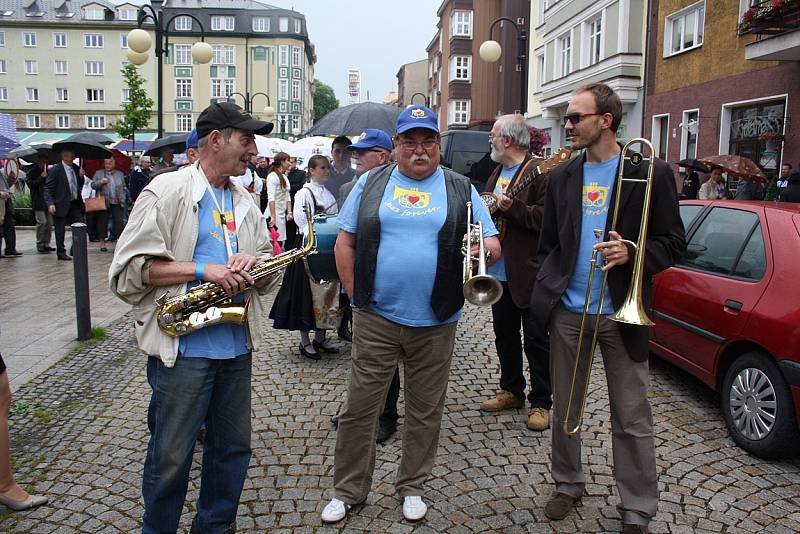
(140, 107)
(324, 100)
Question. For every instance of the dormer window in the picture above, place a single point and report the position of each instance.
(222, 23)
(183, 24)
(94, 13)
(126, 14)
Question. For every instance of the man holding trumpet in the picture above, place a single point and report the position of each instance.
(579, 204)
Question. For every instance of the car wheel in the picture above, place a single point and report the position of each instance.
(758, 407)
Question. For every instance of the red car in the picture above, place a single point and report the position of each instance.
(729, 313)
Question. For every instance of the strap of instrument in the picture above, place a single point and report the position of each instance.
(502, 222)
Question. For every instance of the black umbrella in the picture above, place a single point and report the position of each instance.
(90, 137)
(354, 119)
(693, 164)
(175, 142)
(83, 147)
(43, 149)
(20, 152)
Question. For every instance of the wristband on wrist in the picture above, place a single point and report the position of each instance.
(199, 270)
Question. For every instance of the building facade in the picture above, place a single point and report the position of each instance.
(60, 63)
(588, 41)
(412, 79)
(262, 56)
(465, 91)
(718, 84)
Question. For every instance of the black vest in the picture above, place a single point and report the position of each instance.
(448, 289)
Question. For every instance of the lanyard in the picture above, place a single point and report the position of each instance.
(220, 209)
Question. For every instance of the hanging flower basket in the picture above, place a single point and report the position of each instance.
(770, 15)
(539, 140)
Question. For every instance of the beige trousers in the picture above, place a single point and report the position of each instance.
(379, 345)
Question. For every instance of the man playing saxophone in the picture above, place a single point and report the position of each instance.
(580, 201)
(192, 226)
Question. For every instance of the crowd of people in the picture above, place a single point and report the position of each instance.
(785, 187)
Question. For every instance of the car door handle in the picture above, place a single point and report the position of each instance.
(733, 304)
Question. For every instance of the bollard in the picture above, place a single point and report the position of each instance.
(80, 257)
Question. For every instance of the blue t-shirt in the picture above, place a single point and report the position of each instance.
(219, 341)
(598, 183)
(498, 269)
(411, 214)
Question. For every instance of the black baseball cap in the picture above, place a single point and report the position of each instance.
(221, 115)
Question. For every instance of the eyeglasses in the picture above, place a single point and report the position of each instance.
(428, 144)
(576, 118)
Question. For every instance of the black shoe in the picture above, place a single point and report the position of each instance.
(307, 353)
(335, 420)
(385, 430)
(103, 249)
(42, 250)
(345, 334)
(64, 257)
(560, 505)
(13, 253)
(49, 249)
(324, 347)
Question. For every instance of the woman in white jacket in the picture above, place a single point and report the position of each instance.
(279, 208)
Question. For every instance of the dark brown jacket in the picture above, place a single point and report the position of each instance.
(523, 225)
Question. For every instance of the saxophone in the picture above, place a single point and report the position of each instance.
(207, 304)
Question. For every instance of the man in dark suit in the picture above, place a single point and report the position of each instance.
(44, 221)
(62, 193)
(580, 199)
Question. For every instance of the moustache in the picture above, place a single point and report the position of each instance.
(423, 157)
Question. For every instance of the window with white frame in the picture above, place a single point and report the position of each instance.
(126, 95)
(260, 24)
(660, 135)
(59, 40)
(565, 54)
(295, 123)
(298, 26)
(93, 40)
(283, 56)
(222, 23)
(460, 68)
(282, 124)
(32, 94)
(595, 40)
(62, 121)
(95, 95)
(126, 14)
(223, 55)
(33, 121)
(123, 40)
(183, 23)
(461, 23)
(31, 66)
(93, 68)
(29, 39)
(283, 89)
(296, 56)
(459, 112)
(3, 94)
(296, 89)
(96, 122)
(2, 39)
(62, 94)
(540, 72)
(93, 13)
(3, 66)
(684, 29)
(183, 88)
(222, 87)
(60, 66)
(690, 126)
(283, 24)
(183, 122)
(183, 54)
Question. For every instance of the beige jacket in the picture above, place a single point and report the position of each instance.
(164, 224)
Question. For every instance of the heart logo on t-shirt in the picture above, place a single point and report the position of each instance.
(593, 195)
(413, 200)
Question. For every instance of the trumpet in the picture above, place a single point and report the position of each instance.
(480, 288)
(632, 310)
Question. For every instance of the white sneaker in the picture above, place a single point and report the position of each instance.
(335, 511)
(414, 509)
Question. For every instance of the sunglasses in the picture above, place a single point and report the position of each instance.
(576, 118)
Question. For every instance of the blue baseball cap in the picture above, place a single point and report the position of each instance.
(372, 138)
(417, 117)
(192, 140)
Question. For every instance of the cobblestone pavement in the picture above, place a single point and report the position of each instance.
(79, 435)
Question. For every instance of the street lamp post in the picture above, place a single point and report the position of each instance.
(423, 95)
(490, 52)
(269, 111)
(139, 43)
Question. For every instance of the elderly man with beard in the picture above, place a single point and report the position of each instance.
(516, 269)
(192, 226)
(399, 257)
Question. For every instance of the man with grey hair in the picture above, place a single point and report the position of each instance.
(519, 223)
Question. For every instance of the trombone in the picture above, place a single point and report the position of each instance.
(480, 288)
(632, 310)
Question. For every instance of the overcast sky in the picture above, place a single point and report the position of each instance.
(374, 36)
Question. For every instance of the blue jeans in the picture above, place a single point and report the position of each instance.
(193, 392)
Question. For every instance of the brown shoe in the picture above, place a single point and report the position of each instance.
(630, 528)
(560, 505)
(539, 419)
(503, 400)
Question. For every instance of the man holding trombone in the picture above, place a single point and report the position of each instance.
(592, 220)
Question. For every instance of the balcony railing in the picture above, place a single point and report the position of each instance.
(771, 17)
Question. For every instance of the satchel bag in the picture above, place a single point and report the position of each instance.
(95, 203)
